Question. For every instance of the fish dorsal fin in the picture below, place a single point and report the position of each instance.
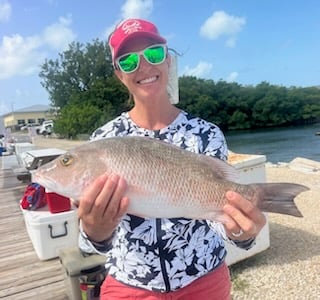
(220, 168)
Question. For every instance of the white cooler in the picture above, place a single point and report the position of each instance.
(251, 168)
(51, 232)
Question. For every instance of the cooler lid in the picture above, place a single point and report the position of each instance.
(43, 215)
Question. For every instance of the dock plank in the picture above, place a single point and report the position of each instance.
(23, 275)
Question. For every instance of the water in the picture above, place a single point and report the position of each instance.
(278, 144)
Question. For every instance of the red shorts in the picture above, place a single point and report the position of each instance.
(214, 286)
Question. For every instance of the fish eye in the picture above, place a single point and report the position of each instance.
(66, 160)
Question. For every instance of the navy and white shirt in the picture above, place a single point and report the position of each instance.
(164, 254)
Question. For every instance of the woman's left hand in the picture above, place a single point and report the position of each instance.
(243, 219)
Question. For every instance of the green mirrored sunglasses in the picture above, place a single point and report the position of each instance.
(129, 62)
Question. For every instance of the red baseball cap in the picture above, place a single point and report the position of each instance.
(131, 28)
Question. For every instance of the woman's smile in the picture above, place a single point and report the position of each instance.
(148, 80)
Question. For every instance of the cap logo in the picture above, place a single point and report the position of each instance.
(131, 26)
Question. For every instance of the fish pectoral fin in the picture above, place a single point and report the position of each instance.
(218, 228)
(214, 216)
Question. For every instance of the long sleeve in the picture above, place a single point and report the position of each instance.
(88, 246)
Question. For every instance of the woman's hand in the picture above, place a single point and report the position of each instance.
(102, 205)
(244, 220)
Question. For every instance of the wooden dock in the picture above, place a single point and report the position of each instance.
(23, 275)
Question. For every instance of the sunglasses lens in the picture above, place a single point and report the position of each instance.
(129, 63)
(155, 55)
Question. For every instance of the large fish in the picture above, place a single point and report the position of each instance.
(163, 180)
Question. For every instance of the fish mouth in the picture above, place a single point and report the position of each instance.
(50, 185)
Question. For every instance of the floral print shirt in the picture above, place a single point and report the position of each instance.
(164, 254)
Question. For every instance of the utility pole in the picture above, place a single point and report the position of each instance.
(12, 112)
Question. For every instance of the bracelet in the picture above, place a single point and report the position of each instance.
(102, 246)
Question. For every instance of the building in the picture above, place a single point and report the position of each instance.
(34, 114)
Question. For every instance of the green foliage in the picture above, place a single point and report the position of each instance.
(82, 85)
(81, 81)
(232, 106)
(238, 120)
(75, 119)
(76, 71)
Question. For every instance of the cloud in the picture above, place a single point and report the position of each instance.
(137, 9)
(221, 24)
(202, 69)
(5, 11)
(22, 55)
(132, 9)
(232, 77)
(59, 35)
(19, 56)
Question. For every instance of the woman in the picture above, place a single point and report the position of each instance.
(159, 258)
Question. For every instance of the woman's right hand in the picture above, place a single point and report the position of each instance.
(102, 205)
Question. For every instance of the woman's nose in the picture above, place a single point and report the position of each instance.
(143, 63)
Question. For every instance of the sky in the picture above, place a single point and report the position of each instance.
(242, 41)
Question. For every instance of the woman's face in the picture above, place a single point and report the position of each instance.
(148, 80)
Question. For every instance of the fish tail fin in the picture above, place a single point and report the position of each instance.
(278, 197)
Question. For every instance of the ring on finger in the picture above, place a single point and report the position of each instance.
(237, 234)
